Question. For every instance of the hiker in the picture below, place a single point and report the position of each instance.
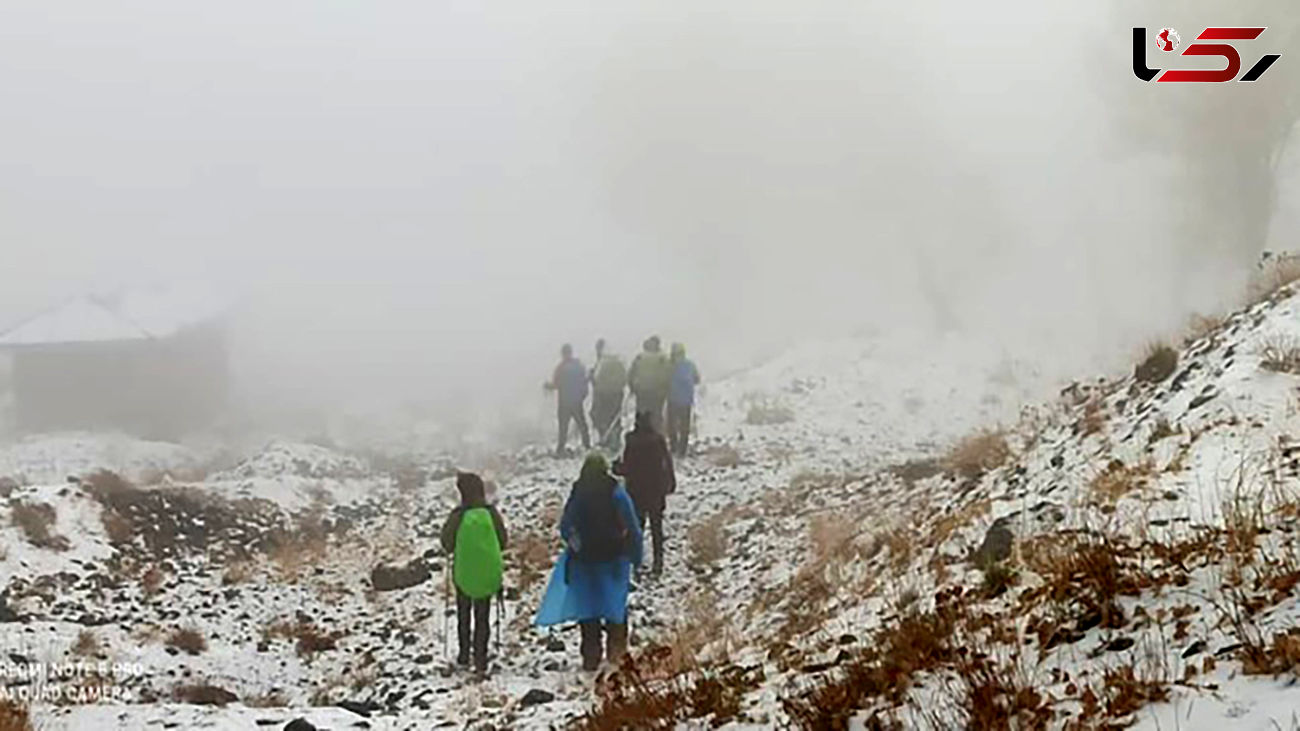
(608, 380)
(647, 466)
(591, 579)
(681, 399)
(648, 378)
(570, 382)
(475, 535)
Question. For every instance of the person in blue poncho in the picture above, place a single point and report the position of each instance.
(591, 580)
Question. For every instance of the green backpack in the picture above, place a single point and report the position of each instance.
(611, 375)
(653, 371)
(477, 566)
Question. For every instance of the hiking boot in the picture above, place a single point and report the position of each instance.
(463, 658)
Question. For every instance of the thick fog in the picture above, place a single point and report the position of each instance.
(416, 203)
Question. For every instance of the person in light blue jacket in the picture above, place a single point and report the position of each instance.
(591, 579)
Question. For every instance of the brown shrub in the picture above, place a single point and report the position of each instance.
(1273, 274)
(707, 540)
(151, 580)
(203, 694)
(1159, 363)
(188, 640)
(649, 691)
(977, 454)
(238, 572)
(1118, 480)
(14, 717)
(117, 528)
(87, 644)
(37, 522)
(312, 640)
(1282, 655)
(1126, 692)
(270, 699)
(532, 554)
(723, 456)
(764, 412)
(1280, 354)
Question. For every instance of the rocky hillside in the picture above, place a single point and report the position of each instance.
(869, 533)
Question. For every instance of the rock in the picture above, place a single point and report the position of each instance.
(299, 724)
(1202, 400)
(536, 697)
(424, 659)
(392, 578)
(996, 546)
(361, 708)
(1119, 644)
(555, 644)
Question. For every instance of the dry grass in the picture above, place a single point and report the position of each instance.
(650, 690)
(36, 520)
(14, 717)
(308, 639)
(238, 572)
(767, 412)
(1117, 481)
(296, 554)
(117, 528)
(1272, 275)
(1281, 655)
(271, 699)
(203, 694)
(707, 540)
(188, 640)
(532, 555)
(1280, 354)
(151, 580)
(978, 454)
(87, 644)
(1158, 363)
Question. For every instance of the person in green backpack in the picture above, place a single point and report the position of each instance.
(649, 379)
(475, 535)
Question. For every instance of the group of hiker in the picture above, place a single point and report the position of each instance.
(662, 385)
(601, 527)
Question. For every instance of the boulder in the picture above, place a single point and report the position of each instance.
(393, 578)
(536, 697)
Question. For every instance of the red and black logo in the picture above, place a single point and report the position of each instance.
(1167, 40)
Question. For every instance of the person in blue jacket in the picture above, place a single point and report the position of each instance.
(591, 579)
(570, 383)
(681, 399)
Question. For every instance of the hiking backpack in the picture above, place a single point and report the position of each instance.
(602, 533)
(653, 371)
(477, 566)
(611, 375)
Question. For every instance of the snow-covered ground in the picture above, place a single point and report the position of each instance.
(811, 522)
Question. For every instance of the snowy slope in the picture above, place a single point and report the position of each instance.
(811, 523)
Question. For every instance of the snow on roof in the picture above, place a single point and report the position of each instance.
(135, 314)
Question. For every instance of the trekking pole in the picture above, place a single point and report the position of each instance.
(446, 595)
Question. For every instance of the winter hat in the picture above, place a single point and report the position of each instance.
(595, 465)
(471, 487)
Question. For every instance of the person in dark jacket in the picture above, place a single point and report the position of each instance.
(570, 382)
(647, 466)
(472, 495)
(681, 399)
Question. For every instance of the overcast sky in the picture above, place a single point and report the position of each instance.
(423, 199)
